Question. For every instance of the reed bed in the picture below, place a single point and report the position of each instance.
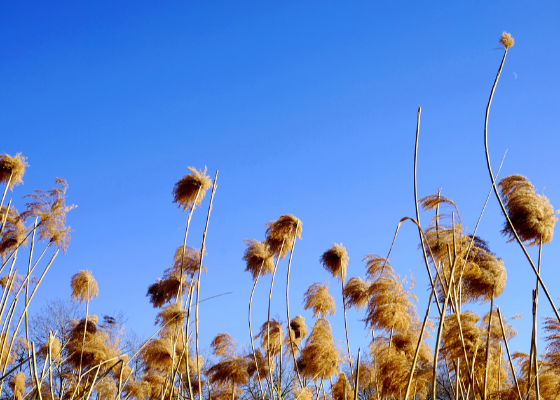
(287, 359)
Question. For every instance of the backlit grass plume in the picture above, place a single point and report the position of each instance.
(12, 169)
(258, 257)
(281, 234)
(298, 331)
(14, 233)
(507, 40)
(319, 300)
(17, 384)
(50, 207)
(191, 188)
(531, 214)
(261, 363)
(335, 260)
(87, 349)
(486, 279)
(232, 369)
(223, 345)
(320, 357)
(84, 286)
(276, 337)
(356, 293)
(338, 388)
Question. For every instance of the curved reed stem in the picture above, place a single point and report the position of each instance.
(180, 290)
(488, 345)
(509, 355)
(202, 247)
(251, 331)
(346, 330)
(268, 322)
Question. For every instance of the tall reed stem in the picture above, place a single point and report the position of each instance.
(509, 355)
(251, 331)
(202, 248)
(488, 345)
(346, 328)
(268, 321)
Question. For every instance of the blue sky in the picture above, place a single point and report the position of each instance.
(306, 108)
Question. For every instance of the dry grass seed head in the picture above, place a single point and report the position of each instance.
(189, 186)
(17, 384)
(14, 167)
(281, 234)
(262, 363)
(487, 279)
(276, 337)
(95, 349)
(84, 286)
(259, 258)
(14, 232)
(298, 327)
(303, 394)
(356, 293)
(190, 262)
(171, 315)
(507, 40)
(531, 214)
(338, 388)
(320, 357)
(106, 388)
(230, 371)
(335, 260)
(16, 284)
(318, 299)
(50, 206)
(223, 345)
(377, 266)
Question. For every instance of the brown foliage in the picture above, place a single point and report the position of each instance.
(84, 286)
(281, 234)
(276, 337)
(356, 293)
(320, 357)
(14, 167)
(318, 299)
(14, 232)
(259, 258)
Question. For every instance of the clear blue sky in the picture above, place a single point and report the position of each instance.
(306, 108)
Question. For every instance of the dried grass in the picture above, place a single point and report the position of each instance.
(531, 214)
(507, 40)
(172, 314)
(335, 260)
(223, 345)
(276, 337)
(14, 232)
(281, 234)
(186, 189)
(84, 286)
(17, 384)
(232, 371)
(356, 293)
(338, 388)
(262, 364)
(50, 206)
(302, 394)
(95, 346)
(319, 300)
(259, 258)
(14, 167)
(320, 357)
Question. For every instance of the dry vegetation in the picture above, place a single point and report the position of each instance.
(289, 360)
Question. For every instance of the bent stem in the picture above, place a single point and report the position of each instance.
(198, 281)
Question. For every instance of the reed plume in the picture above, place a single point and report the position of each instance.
(171, 314)
(17, 384)
(14, 233)
(338, 388)
(303, 393)
(258, 257)
(281, 234)
(50, 207)
(87, 345)
(507, 40)
(261, 363)
(12, 169)
(319, 300)
(335, 260)
(191, 188)
(531, 214)
(297, 329)
(223, 345)
(84, 286)
(320, 357)
(276, 336)
(356, 293)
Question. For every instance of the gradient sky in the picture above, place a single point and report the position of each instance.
(306, 108)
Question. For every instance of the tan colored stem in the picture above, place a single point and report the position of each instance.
(509, 355)
(202, 248)
(488, 345)
(357, 380)
(346, 328)
(268, 321)
(180, 291)
(6, 189)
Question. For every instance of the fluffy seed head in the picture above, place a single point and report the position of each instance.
(303, 394)
(191, 188)
(223, 345)
(14, 231)
(18, 385)
(320, 357)
(84, 286)
(281, 234)
(276, 337)
(50, 207)
(14, 167)
(258, 257)
(262, 363)
(229, 371)
(531, 214)
(318, 298)
(171, 315)
(356, 293)
(298, 327)
(335, 260)
(487, 279)
(507, 40)
(338, 388)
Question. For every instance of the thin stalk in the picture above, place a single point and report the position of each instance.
(5, 216)
(442, 318)
(356, 381)
(346, 329)
(37, 383)
(27, 285)
(268, 319)
(417, 352)
(6, 189)
(202, 247)
(509, 356)
(488, 345)
(510, 224)
(50, 366)
(85, 329)
(288, 310)
(251, 331)
(180, 291)
(535, 304)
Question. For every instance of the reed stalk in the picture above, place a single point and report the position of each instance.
(268, 321)
(34, 372)
(202, 248)
(356, 381)
(6, 189)
(288, 309)
(192, 207)
(488, 344)
(346, 330)
(251, 331)
(5, 217)
(508, 353)
(27, 285)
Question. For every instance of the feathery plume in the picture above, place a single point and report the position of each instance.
(318, 298)
(319, 357)
(507, 40)
(531, 214)
(223, 345)
(173, 312)
(191, 188)
(303, 393)
(50, 206)
(17, 385)
(262, 364)
(258, 257)
(338, 388)
(276, 337)
(14, 167)
(84, 286)
(356, 293)
(335, 260)
(281, 234)
(229, 371)
(14, 231)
